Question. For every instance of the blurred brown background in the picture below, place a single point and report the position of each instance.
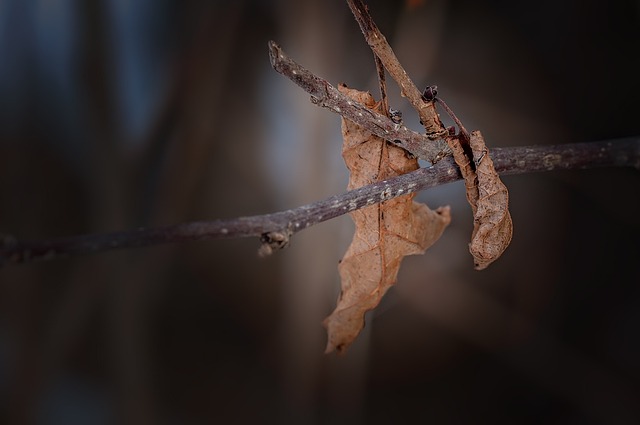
(118, 114)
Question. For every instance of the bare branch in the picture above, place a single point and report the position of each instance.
(325, 95)
(275, 229)
(381, 48)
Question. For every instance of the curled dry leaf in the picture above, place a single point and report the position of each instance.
(468, 174)
(385, 232)
(488, 197)
(492, 225)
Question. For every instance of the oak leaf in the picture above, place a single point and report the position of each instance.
(385, 232)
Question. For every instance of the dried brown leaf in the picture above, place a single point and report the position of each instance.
(492, 225)
(468, 174)
(488, 197)
(385, 232)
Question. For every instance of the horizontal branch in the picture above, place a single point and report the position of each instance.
(275, 229)
(325, 95)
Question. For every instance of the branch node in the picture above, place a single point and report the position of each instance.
(274, 241)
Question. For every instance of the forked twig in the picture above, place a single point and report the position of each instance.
(276, 229)
(381, 48)
(325, 95)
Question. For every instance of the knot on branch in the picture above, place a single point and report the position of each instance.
(274, 241)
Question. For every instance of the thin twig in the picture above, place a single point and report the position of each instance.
(275, 229)
(325, 95)
(382, 82)
(463, 131)
(381, 48)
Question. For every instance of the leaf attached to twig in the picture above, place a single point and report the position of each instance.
(488, 197)
(492, 225)
(385, 232)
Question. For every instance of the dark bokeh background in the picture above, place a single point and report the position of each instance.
(118, 114)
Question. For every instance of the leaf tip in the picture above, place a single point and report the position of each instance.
(332, 344)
